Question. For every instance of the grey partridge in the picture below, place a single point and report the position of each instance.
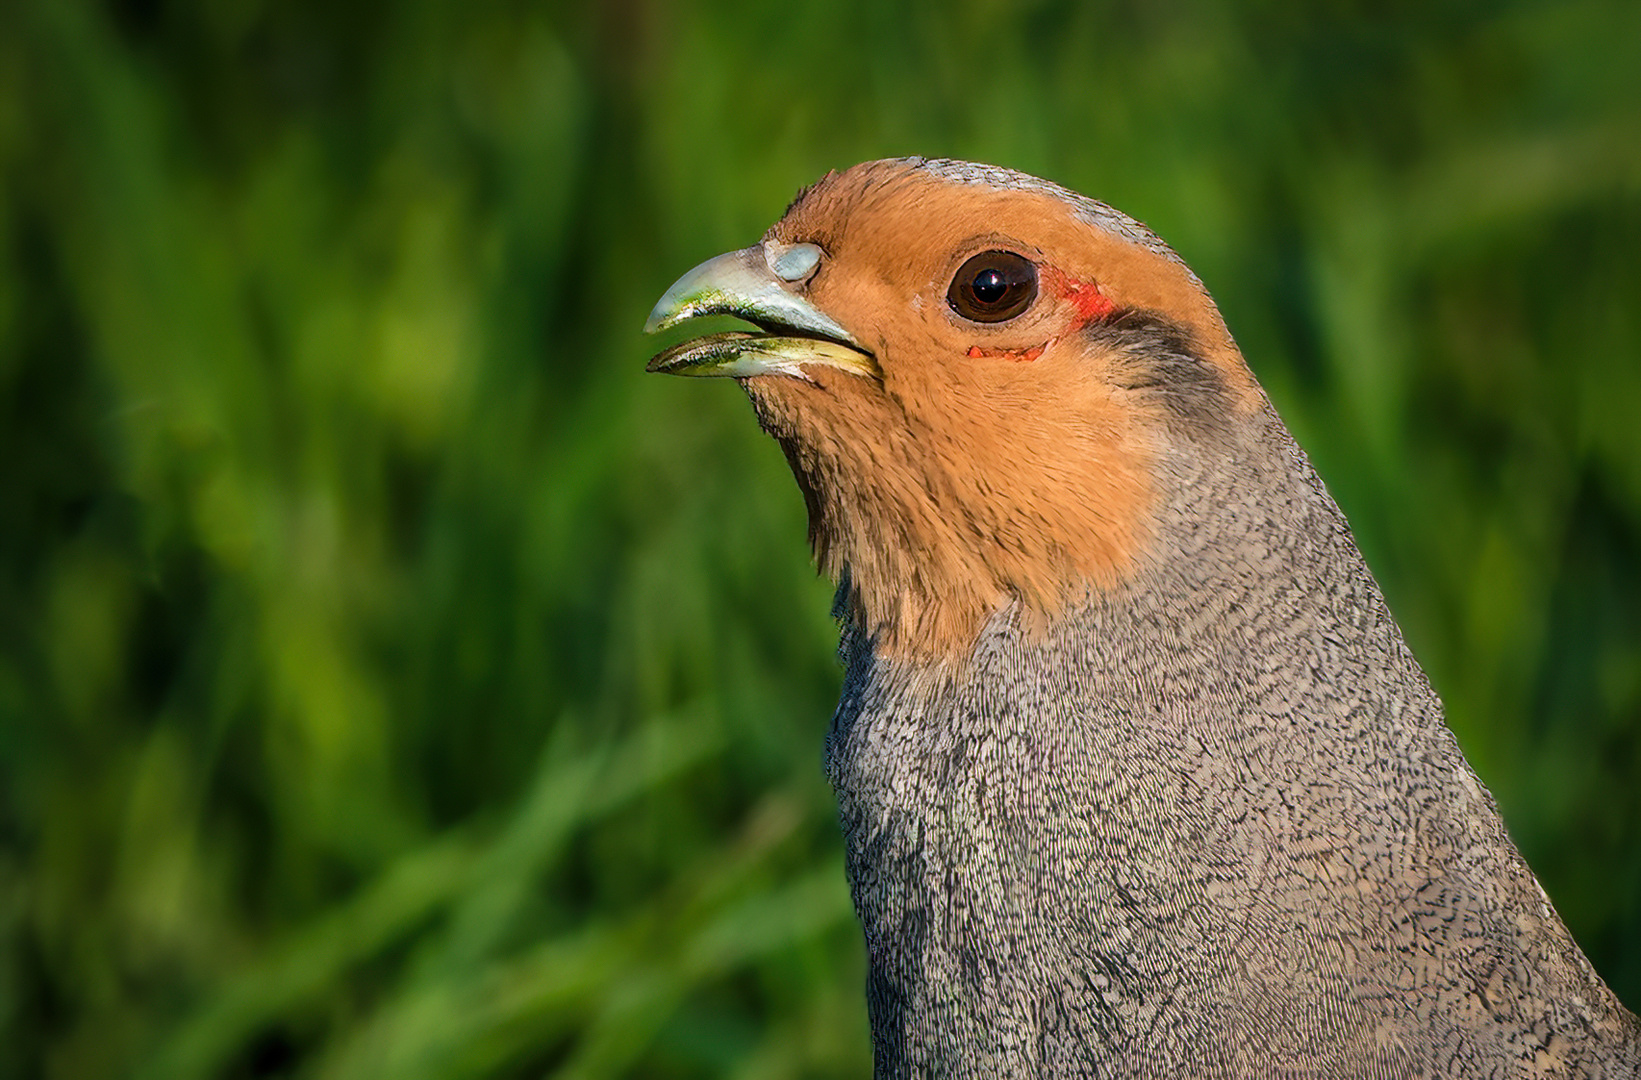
(1137, 777)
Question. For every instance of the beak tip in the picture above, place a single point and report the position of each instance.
(668, 312)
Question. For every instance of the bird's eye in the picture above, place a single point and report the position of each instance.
(993, 286)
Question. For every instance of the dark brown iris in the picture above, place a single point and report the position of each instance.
(993, 286)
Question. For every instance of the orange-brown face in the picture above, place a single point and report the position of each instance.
(895, 237)
(963, 441)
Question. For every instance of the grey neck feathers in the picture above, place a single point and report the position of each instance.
(1212, 825)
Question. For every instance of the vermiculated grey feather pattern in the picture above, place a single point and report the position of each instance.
(1212, 826)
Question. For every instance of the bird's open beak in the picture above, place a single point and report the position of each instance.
(754, 284)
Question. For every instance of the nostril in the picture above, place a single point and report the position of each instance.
(794, 262)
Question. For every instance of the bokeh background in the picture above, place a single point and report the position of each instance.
(397, 682)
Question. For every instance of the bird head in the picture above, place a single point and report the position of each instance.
(977, 377)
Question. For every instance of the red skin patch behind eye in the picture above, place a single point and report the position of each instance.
(1085, 297)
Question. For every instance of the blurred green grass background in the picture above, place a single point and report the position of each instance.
(396, 682)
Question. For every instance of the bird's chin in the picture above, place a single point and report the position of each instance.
(821, 414)
(824, 393)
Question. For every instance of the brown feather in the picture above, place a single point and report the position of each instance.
(994, 463)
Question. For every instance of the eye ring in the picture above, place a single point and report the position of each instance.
(993, 286)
